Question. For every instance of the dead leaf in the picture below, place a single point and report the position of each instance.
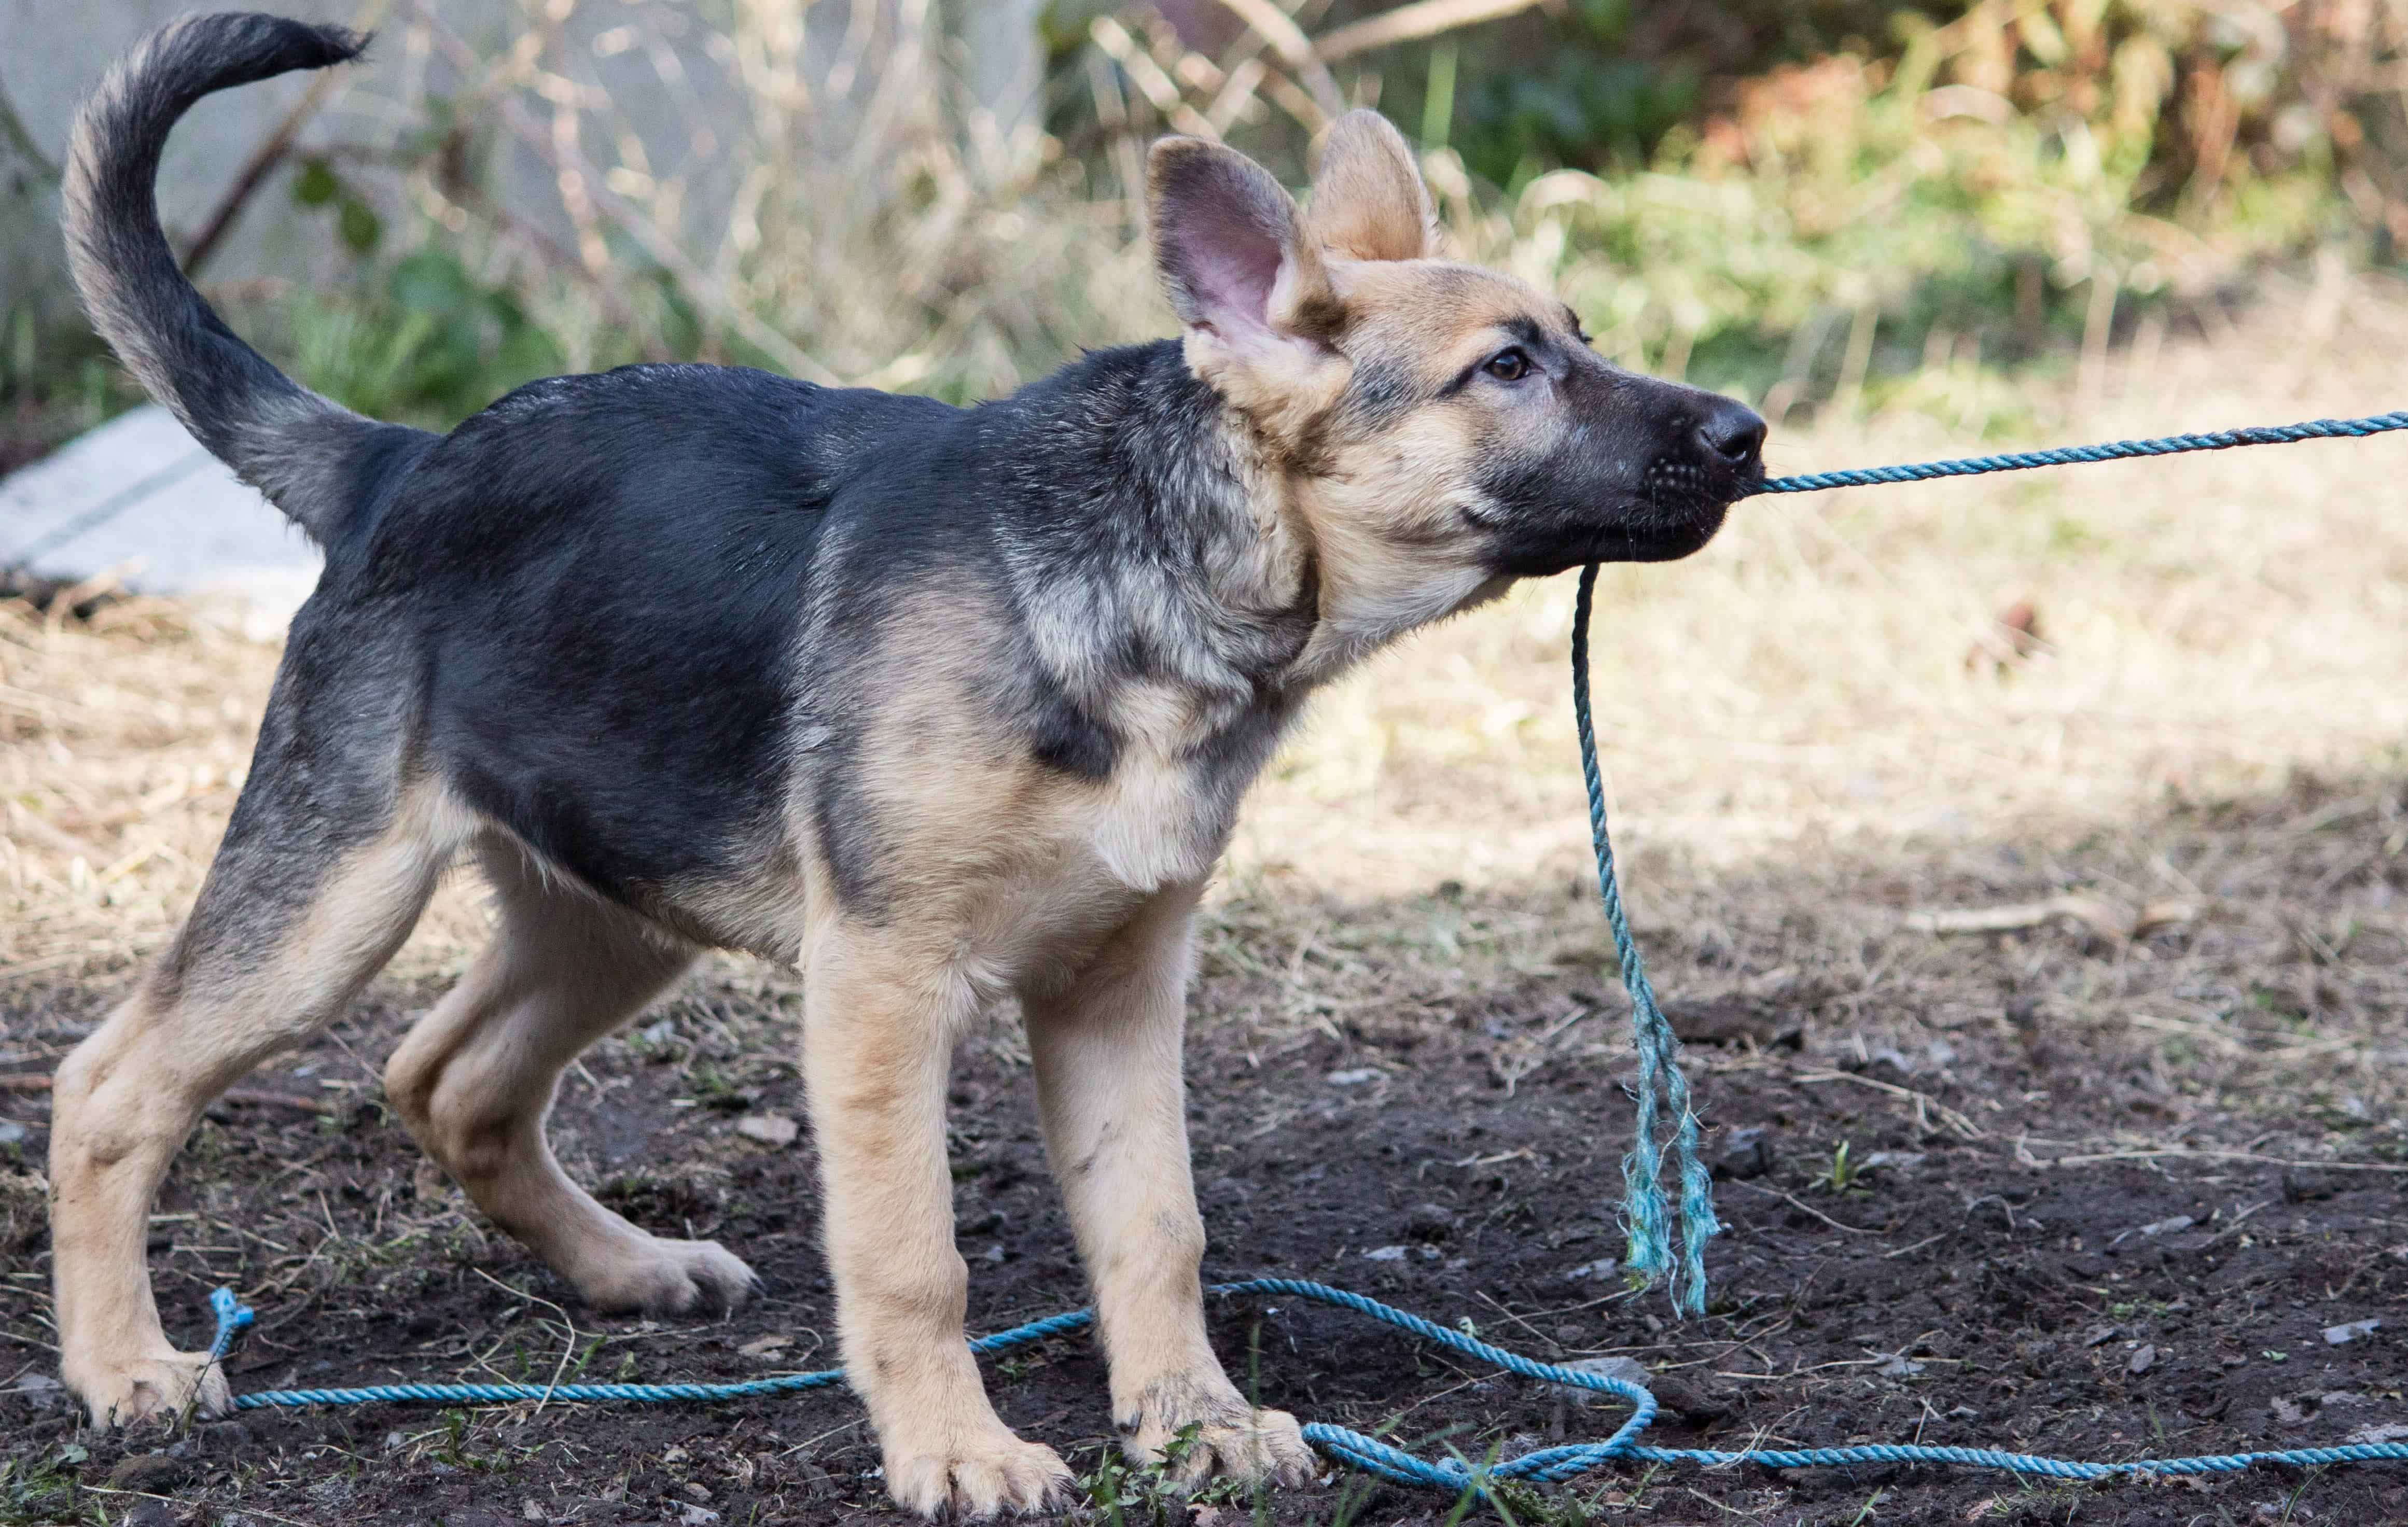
(2116, 922)
(2008, 641)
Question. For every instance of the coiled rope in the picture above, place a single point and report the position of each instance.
(1547, 1466)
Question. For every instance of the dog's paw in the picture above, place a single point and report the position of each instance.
(1223, 1438)
(153, 1388)
(981, 1474)
(667, 1277)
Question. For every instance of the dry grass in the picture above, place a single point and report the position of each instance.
(2212, 626)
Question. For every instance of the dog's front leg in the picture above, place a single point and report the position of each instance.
(1115, 1104)
(877, 1034)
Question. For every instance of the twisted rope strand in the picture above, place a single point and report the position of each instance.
(1547, 1466)
(2024, 461)
(1645, 1215)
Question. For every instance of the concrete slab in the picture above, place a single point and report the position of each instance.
(139, 498)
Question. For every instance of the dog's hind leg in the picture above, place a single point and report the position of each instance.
(1109, 1087)
(475, 1078)
(324, 869)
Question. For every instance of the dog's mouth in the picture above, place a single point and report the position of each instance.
(1669, 535)
(1546, 518)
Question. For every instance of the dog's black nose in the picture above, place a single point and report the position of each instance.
(1732, 431)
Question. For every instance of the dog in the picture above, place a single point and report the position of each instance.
(946, 707)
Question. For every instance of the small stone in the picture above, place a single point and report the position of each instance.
(12, 1133)
(1899, 1367)
(774, 1130)
(2375, 1436)
(1889, 1056)
(394, 1442)
(2308, 1185)
(2142, 1360)
(695, 1489)
(1746, 1153)
(2289, 1412)
(150, 1473)
(2155, 1228)
(1352, 1078)
(1384, 1253)
(1602, 1268)
(1627, 1370)
(43, 1392)
(1894, 1160)
(1430, 1223)
(532, 1512)
(2342, 1336)
(698, 1516)
(766, 1346)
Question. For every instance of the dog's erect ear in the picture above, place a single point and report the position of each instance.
(1368, 202)
(1232, 253)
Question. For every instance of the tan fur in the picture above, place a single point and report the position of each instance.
(1108, 1086)
(1368, 201)
(125, 1100)
(475, 1078)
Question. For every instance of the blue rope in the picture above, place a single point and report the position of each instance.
(2024, 461)
(1547, 1466)
(1646, 1219)
(1646, 1215)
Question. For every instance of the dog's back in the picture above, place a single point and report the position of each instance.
(603, 580)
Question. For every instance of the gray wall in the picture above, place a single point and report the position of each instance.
(52, 53)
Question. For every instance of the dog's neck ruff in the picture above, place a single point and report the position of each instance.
(1207, 586)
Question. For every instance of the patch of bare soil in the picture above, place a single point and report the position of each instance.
(2101, 1197)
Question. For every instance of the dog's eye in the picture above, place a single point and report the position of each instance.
(1510, 365)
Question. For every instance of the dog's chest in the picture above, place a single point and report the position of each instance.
(1164, 813)
(1156, 820)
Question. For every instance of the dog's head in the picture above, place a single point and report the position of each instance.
(1442, 428)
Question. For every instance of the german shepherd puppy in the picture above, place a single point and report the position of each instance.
(947, 707)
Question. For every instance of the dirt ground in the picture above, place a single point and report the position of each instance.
(2111, 1171)
(2100, 1237)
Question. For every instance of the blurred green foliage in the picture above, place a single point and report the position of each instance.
(1864, 202)
(416, 338)
(1834, 199)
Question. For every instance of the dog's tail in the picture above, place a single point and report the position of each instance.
(300, 449)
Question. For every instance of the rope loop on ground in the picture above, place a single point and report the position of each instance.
(1371, 1455)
